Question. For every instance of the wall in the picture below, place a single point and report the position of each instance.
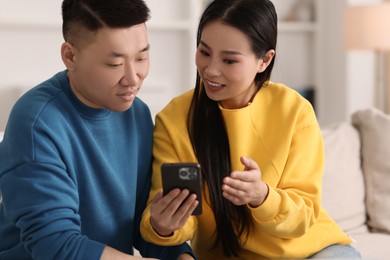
(30, 39)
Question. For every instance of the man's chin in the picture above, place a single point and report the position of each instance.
(122, 107)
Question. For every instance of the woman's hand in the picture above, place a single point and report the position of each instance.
(170, 212)
(245, 187)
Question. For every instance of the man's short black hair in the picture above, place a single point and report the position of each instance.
(83, 18)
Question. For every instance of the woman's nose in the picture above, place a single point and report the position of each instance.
(212, 68)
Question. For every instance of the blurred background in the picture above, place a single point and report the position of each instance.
(318, 52)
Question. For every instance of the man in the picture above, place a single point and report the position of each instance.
(76, 157)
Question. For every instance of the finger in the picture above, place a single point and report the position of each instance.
(232, 182)
(237, 191)
(157, 197)
(235, 200)
(249, 163)
(188, 214)
(185, 206)
(193, 206)
(186, 209)
(156, 207)
(238, 178)
(188, 203)
(161, 204)
(177, 201)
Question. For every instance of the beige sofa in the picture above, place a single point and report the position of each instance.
(356, 185)
(356, 182)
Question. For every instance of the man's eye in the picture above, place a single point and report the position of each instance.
(114, 65)
(141, 59)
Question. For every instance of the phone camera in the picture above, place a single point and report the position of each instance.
(188, 173)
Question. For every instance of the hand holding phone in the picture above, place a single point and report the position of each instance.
(183, 176)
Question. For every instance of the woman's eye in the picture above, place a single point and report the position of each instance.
(227, 61)
(205, 53)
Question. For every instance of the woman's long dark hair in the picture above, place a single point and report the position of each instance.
(258, 20)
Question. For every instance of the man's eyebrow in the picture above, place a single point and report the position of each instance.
(115, 54)
(146, 48)
(224, 52)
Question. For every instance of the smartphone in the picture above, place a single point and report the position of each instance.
(183, 176)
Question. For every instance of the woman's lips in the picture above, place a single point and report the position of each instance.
(214, 86)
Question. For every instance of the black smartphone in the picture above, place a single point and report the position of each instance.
(183, 176)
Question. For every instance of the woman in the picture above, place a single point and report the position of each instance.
(259, 146)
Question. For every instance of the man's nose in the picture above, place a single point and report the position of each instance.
(130, 77)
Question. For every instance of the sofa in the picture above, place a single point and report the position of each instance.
(356, 180)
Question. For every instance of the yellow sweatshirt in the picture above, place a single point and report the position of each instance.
(280, 132)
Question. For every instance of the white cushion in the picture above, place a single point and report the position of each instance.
(374, 127)
(343, 184)
(1, 136)
(373, 246)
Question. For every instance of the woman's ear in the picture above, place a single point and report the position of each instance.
(68, 55)
(266, 60)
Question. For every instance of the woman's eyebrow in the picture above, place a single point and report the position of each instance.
(228, 52)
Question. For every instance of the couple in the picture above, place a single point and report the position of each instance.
(78, 178)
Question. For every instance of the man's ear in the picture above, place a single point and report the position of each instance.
(266, 60)
(68, 55)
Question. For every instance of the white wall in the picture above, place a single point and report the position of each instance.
(30, 39)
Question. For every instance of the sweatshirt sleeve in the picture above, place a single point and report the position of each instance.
(294, 200)
(45, 212)
(149, 249)
(168, 146)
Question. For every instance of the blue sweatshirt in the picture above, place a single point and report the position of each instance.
(74, 179)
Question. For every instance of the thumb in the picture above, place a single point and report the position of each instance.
(249, 164)
(158, 196)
